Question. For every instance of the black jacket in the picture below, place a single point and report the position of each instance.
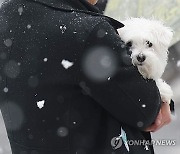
(63, 53)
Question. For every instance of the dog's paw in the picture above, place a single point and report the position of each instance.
(165, 91)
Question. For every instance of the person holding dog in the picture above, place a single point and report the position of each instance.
(67, 85)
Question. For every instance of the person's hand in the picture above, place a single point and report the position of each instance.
(163, 118)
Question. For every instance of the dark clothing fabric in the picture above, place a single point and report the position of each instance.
(46, 48)
(101, 4)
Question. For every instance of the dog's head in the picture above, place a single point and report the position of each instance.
(148, 40)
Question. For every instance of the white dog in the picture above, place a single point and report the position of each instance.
(148, 40)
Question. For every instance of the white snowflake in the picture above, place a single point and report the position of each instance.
(40, 104)
(178, 63)
(5, 90)
(62, 28)
(20, 10)
(28, 26)
(66, 64)
(8, 42)
(45, 59)
(143, 105)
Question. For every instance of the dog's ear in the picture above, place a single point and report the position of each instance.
(165, 36)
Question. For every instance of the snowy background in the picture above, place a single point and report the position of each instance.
(120, 9)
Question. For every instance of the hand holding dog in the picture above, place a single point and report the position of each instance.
(163, 118)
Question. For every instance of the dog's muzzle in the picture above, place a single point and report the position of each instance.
(141, 58)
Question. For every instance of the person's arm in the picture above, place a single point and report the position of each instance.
(125, 95)
(163, 118)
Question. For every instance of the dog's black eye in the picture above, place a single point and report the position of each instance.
(149, 44)
(129, 44)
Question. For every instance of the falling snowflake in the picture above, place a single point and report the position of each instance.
(5, 89)
(28, 26)
(99, 64)
(62, 28)
(140, 124)
(20, 10)
(62, 132)
(8, 42)
(45, 59)
(40, 104)
(105, 61)
(67, 64)
(178, 63)
(143, 105)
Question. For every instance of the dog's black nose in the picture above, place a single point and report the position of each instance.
(141, 58)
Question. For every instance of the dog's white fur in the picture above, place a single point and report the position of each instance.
(149, 40)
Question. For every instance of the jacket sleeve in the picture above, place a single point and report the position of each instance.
(121, 90)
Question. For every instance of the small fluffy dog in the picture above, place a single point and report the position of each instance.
(148, 40)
